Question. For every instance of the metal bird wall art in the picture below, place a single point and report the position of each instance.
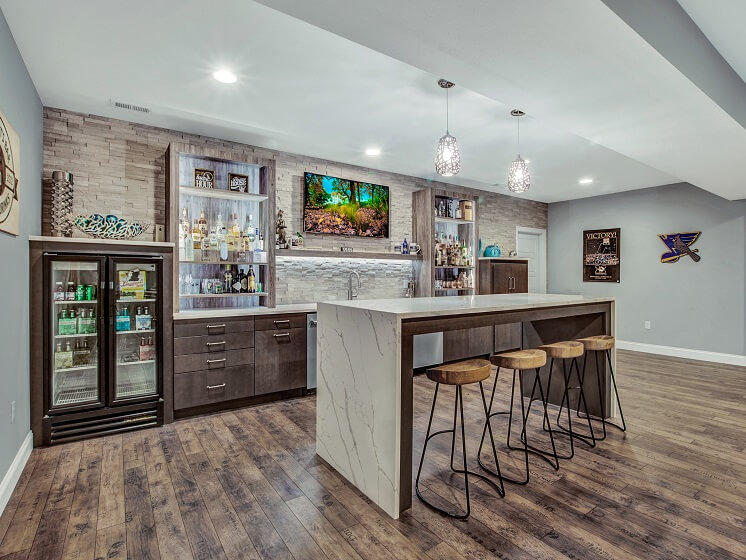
(679, 246)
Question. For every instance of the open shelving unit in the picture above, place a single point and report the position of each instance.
(258, 202)
(428, 228)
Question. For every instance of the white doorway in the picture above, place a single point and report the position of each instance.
(531, 244)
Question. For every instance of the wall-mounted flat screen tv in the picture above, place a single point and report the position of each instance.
(342, 207)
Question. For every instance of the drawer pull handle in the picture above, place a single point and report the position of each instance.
(215, 343)
(221, 360)
(216, 386)
(282, 321)
(287, 334)
(222, 326)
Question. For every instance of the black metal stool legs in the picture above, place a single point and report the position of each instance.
(458, 405)
(602, 398)
(590, 438)
(546, 455)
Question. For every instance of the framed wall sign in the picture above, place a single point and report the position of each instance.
(679, 245)
(238, 182)
(601, 255)
(10, 165)
(204, 178)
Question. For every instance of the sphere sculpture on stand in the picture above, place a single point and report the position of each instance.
(62, 203)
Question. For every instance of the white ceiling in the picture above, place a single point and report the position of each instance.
(601, 101)
(723, 21)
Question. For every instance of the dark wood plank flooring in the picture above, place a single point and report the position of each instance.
(247, 484)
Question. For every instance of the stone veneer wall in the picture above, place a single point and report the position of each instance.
(119, 168)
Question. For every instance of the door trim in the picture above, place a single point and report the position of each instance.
(541, 278)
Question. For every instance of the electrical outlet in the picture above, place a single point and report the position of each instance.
(647, 325)
(12, 411)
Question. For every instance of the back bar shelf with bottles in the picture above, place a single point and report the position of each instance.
(98, 336)
(221, 219)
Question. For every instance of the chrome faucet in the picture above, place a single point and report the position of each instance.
(351, 292)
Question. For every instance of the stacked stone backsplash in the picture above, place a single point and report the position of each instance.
(119, 168)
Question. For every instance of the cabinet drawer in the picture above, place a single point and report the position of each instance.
(214, 326)
(507, 337)
(280, 322)
(213, 343)
(198, 388)
(213, 360)
(280, 360)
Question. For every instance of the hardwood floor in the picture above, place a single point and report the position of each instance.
(247, 484)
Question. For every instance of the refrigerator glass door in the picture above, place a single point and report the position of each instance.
(136, 332)
(74, 331)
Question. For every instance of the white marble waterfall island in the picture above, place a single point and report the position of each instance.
(364, 363)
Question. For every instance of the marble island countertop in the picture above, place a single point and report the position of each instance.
(408, 308)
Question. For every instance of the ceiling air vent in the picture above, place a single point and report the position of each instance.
(130, 107)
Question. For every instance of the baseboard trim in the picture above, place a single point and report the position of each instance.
(703, 355)
(14, 471)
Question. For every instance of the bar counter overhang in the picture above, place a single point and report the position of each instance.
(365, 349)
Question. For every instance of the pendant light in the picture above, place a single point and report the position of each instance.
(519, 180)
(447, 155)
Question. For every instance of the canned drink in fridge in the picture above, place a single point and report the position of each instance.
(90, 292)
(80, 292)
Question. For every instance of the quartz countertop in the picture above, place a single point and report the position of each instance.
(208, 313)
(97, 241)
(408, 308)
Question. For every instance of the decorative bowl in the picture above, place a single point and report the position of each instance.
(492, 251)
(110, 226)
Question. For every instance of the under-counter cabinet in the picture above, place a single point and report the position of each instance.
(213, 361)
(280, 353)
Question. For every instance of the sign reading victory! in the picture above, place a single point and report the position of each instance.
(601, 255)
(10, 163)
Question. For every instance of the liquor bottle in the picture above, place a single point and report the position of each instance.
(196, 235)
(248, 233)
(189, 247)
(236, 231)
(227, 280)
(244, 280)
(202, 225)
(260, 235)
(251, 283)
(59, 291)
(70, 293)
(184, 223)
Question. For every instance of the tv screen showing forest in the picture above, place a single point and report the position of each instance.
(342, 207)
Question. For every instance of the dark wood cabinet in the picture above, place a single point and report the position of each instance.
(210, 386)
(507, 337)
(280, 359)
(467, 343)
(503, 276)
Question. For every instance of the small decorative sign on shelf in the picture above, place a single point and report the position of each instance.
(346, 249)
(601, 255)
(204, 178)
(238, 182)
(678, 245)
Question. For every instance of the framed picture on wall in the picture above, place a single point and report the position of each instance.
(238, 182)
(204, 178)
(601, 257)
(10, 164)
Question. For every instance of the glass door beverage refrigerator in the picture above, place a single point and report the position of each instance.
(103, 352)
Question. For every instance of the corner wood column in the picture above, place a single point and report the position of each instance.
(405, 427)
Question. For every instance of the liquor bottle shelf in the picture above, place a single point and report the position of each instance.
(79, 335)
(239, 263)
(136, 331)
(454, 266)
(74, 301)
(454, 289)
(345, 255)
(223, 295)
(448, 220)
(223, 194)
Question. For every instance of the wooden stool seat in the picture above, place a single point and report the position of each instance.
(566, 349)
(461, 373)
(520, 359)
(598, 343)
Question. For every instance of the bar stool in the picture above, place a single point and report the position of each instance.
(602, 343)
(567, 350)
(459, 374)
(519, 361)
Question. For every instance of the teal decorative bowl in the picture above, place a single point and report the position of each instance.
(109, 226)
(492, 251)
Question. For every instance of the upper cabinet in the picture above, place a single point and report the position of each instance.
(220, 215)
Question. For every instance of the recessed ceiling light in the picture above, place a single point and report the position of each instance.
(225, 76)
(373, 151)
(585, 181)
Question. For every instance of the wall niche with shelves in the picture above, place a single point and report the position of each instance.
(224, 230)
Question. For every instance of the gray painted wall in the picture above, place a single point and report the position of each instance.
(690, 305)
(21, 105)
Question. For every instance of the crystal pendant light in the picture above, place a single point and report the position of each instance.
(519, 180)
(447, 155)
